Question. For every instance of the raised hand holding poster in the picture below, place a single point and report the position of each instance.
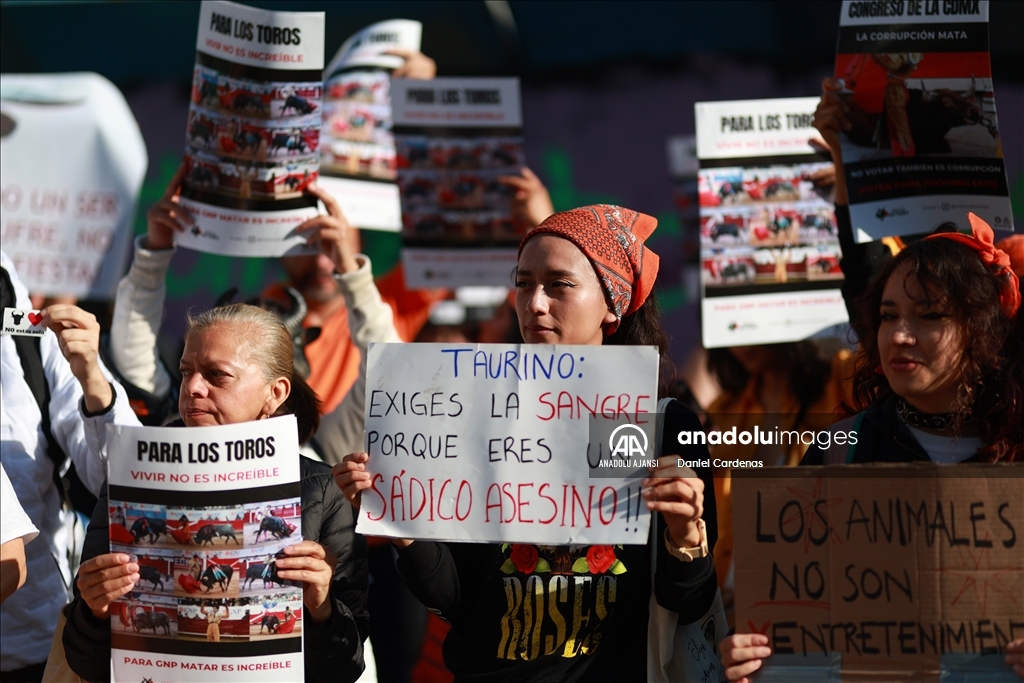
(924, 144)
(205, 511)
(253, 138)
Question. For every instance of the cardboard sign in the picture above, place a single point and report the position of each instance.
(205, 511)
(455, 137)
(769, 244)
(892, 568)
(924, 147)
(72, 160)
(494, 442)
(253, 135)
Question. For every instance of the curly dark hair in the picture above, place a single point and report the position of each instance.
(644, 328)
(991, 386)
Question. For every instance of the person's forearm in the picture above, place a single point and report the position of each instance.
(12, 567)
(97, 394)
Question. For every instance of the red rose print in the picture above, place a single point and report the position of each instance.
(524, 557)
(599, 558)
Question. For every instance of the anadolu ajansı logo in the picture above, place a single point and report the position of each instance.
(625, 442)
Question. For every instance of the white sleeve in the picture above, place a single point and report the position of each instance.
(14, 523)
(138, 312)
(83, 438)
(369, 318)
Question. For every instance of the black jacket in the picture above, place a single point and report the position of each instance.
(333, 651)
(560, 623)
(882, 437)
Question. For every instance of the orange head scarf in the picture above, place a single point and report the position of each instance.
(980, 241)
(612, 238)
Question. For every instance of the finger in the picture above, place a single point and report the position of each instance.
(530, 175)
(686, 487)
(171, 209)
(67, 315)
(742, 670)
(333, 208)
(320, 577)
(739, 655)
(514, 181)
(400, 52)
(359, 458)
(174, 186)
(352, 488)
(88, 578)
(103, 599)
(96, 589)
(103, 561)
(306, 549)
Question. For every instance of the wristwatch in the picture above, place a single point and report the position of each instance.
(689, 554)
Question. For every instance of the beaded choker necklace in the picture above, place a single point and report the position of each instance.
(939, 422)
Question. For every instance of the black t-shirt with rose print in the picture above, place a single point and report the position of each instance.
(526, 613)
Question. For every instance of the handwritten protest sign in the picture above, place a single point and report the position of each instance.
(493, 442)
(897, 567)
(253, 135)
(769, 245)
(72, 163)
(923, 145)
(204, 511)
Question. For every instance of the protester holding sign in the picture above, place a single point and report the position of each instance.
(584, 277)
(939, 376)
(237, 367)
(61, 363)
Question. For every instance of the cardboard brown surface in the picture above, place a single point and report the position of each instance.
(892, 566)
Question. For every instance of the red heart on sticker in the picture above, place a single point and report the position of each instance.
(34, 318)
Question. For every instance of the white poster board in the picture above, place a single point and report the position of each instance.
(497, 443)
(253, 135)
(454, 138)
(357, 161)
(72, 161)
(201, 510)
(768, 239)
(924, 145)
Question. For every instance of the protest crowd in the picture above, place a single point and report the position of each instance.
(929, 371)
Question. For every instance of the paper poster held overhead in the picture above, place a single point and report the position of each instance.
(924, 144)
(455, 137)
(72, 161)
(358, 148)
(252, 144)
(768, 236)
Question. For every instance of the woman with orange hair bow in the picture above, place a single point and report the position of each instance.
(583, 277)
(941, 379)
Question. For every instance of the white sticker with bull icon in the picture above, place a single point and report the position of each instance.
(23, 322)
(206, 513)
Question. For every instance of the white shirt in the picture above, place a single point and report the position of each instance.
(945, 450)
(14, 523)
(29, 617)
